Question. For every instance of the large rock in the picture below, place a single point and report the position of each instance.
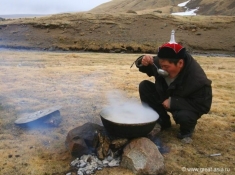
(83, 139)
(142, 156)
(92, 138)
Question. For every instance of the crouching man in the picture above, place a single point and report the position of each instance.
(181, 87)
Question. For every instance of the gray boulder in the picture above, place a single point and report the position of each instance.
(142, 156)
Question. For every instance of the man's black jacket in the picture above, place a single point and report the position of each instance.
(191, 90)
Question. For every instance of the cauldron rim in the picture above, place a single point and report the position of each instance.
(128, 124)
(102, 115)
(127, 130)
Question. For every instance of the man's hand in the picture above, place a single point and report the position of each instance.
(166, 104)
(146, 60)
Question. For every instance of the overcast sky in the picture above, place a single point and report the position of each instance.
(46, 6)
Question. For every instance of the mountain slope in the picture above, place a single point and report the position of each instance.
(206, 7)
(120, 6)
(213, 7)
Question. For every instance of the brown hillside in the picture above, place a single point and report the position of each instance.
(212, 7)
(140, 6)
(206, 7)
(126, 32)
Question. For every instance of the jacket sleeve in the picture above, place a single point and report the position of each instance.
(199, 101)
(145, 69)
(179, 103)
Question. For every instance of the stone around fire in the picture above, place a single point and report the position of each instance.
(142, 156)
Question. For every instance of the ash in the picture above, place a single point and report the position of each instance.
(89, 164)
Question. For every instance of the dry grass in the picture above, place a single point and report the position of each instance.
(79, 82)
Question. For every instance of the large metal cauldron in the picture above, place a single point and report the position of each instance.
(127, 130)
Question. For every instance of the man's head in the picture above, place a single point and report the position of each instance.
(171, 58)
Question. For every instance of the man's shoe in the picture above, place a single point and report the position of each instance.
(182, 135)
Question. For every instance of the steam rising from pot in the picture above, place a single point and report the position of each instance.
(127, 111)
